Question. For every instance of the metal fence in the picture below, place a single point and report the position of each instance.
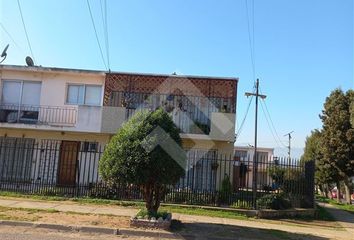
(70, 169)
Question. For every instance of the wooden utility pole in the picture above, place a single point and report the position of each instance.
(255, 168)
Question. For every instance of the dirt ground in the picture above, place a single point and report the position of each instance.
(56, 217)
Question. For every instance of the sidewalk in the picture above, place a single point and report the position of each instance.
(196, 224)
(345, 219)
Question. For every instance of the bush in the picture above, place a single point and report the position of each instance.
(226, 190)
(145, 213)
(273, 201)
(242, 204)
(187, 196)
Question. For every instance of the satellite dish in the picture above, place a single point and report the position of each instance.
(29, 61)
(4, 54)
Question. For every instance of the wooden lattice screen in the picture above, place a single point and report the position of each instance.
(176, 85)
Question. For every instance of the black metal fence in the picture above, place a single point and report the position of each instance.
(67, 168)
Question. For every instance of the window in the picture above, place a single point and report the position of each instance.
(89, 146)
(21, 92)
(84, 94)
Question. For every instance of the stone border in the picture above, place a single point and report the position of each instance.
(297, 212)
(92, 230)
(151, 223)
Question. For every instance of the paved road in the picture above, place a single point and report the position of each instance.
(26, 233)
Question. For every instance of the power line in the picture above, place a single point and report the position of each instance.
(106, 34)
(24, 27)
(251, 38)
(105, 29)
(94, 28)
(244, 119)
(9, 35)
(272, 123)
(269, 125)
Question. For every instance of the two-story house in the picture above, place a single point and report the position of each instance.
(55, 122)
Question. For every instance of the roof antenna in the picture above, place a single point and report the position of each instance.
(4, 53)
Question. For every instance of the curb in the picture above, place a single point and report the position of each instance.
(93, 230)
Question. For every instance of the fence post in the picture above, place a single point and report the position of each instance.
(310, 182)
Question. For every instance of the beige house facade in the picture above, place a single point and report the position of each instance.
(76, 112)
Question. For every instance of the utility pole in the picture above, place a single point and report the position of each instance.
(255, 167)
(289, 146)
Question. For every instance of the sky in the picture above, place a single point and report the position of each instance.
(302, 49)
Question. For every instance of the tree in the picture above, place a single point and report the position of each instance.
(338, 137)
(325, 174)
(131, 156)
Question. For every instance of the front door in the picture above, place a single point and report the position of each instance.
(69, 151)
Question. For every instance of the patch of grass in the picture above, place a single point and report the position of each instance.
(346, 207)
(204, 212)
(323, 215)
(173, 209)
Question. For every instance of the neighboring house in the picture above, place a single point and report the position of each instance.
(70, 114)
(243, 171)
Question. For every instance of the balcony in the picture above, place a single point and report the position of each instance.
(220, 126)
(38, 115)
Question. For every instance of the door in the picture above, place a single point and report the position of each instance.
(69, 151)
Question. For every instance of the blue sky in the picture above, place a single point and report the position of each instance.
(303, 49)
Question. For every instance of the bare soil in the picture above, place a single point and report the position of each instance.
(67, 218)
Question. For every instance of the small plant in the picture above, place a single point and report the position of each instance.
(241, 204)
(273, 201)
(143, 213)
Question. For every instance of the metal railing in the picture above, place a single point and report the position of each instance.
(49, 168)
(192, 114)
(43, 115)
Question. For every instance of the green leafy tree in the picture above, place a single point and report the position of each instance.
(337, 136)
(325, 175)
(134, 156)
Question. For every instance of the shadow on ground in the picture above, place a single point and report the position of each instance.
(209, 231)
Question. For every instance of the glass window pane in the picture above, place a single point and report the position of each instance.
(75, 94)
(93, 95)
(31, 93)
(11, 92)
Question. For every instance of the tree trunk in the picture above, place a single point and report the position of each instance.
(152, 195)
(347, 191)
(338, 192)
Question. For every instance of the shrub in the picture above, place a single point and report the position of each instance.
(187, 196)
(135, 156)
(273, 201)
(242, 204)
(226, 190)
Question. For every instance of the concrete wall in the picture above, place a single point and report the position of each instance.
(222, 126)
(54, 83)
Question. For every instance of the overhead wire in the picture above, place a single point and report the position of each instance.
(251, 38)
(94, 28)
(272, 123)
(238, 132)
(24, 27)
(10, 36)
(105, 29)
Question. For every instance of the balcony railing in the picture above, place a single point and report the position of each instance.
(42, 115)
(187, 122)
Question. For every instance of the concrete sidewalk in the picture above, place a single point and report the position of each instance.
(199, 222)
